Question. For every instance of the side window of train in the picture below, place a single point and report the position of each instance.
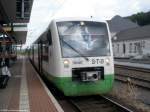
(45, 51)
(49, 37)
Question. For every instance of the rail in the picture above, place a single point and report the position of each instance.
(141, 79)
(97, 103)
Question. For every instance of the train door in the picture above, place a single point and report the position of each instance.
(50, 52)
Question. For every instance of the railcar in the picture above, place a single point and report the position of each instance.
(75, 54)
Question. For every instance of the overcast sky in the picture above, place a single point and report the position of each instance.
(44, 10)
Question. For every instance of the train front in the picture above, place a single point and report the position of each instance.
(87, 66)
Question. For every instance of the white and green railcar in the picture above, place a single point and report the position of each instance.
(76, 56)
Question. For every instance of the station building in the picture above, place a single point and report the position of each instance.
(132, 42)
(129, 39)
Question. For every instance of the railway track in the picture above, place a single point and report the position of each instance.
(137, 76)
(96, 104)
(86, 103)
(134, 80)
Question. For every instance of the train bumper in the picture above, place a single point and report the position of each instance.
(72, 88)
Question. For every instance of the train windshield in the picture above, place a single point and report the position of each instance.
(83, 38)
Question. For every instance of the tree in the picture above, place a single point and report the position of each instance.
(140, 18)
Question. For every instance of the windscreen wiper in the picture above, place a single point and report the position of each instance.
(74, 49)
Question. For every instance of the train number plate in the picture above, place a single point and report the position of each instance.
(97, 61)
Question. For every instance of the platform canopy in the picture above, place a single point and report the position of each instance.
(14, 17)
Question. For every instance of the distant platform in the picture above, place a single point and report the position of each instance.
(26, 92)
(138, 65)
(141, 61)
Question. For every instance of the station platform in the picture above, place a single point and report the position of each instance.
(25, 91)
(138, 65)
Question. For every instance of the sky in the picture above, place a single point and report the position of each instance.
(43, 11)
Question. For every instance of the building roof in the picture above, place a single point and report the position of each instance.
(118, 23)
(133, 34)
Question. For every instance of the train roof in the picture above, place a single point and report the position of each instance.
(77, 19)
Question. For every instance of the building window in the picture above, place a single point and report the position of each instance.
(124, 48)
(49, 37)
(143, 44)
(118, 48)
(135, 47)
(45, 51)
(130, 48)
(23, 8)
(18, 8)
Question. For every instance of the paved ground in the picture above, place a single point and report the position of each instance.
(9, 97)
(25, 91)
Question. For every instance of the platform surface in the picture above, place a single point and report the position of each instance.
(25, 91)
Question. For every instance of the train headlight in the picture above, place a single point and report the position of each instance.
(107, 60)
(66, 63)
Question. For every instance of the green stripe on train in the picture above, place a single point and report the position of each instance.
(72, 88)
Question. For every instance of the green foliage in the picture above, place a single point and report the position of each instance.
(142, 18)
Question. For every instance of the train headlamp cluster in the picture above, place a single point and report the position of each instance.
(107, 60)
(82, 23)
(66, 63)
